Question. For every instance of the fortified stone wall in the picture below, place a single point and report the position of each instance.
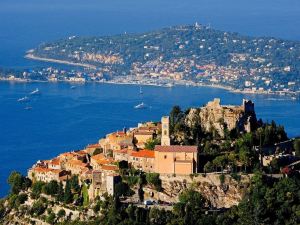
(215, 117)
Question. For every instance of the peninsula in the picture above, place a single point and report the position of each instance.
(186, 55)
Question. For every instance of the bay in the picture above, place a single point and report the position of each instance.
(63, 119)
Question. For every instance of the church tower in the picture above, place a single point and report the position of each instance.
(165, 133)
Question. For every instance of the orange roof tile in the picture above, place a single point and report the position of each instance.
(176, 148)
(45, 170)
(143, 153)
(55, 161)
(94, 146)
(81, 152)
(77, 163)
(109, 167)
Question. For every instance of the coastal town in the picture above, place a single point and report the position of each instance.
(192, 55)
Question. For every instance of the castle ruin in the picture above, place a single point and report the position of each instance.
(215, 117)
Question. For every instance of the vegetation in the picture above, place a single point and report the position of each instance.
(153, 179)
(201, 45)
(150, 144)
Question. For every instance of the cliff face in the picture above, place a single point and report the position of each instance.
(216, 118)
(221, 195)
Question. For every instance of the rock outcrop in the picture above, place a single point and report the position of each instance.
(216, 118)
(220, 195)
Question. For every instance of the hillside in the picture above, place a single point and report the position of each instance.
(195, 53)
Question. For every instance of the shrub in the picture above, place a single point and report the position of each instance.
(61, 213)
(153, 178)
(51, 218)
(132, 180)
(222, 178)
(38, 208)
(123, 189)
(22, 198)
(98, 151)
(236, 177)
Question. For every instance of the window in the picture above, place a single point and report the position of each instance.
(165, 156)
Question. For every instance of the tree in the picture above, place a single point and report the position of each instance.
(98, 151)
(36, 189)
(60, 193)
(68, 196)
(51, 218)
(61, 213)
(190, 206)
(175, 116)
(297, 147)
(122, 189)
(51, 188)
(18, 182)
(74, 182)
(153, 178)
(150, 144)
(141, 193)
(38, 208)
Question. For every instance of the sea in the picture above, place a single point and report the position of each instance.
(63, 119)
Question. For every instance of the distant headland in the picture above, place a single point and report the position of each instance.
(193, 55)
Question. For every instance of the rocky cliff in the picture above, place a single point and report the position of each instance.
(215, 118)
(220, 194)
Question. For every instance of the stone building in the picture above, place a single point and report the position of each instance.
(103, 182)
(47, 175)
(215, 117)
(143, 160)
(165, 134)
(174, 159)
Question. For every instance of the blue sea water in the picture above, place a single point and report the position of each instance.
(63, 119)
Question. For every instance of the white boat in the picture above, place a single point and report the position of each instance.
(141, 106)
(73, 87)
(28, 108)
(24, 99)
(170, 85)
(35, 92)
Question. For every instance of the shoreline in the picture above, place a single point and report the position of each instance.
(32, 57)
(229, 89)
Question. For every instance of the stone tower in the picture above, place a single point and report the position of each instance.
(165, 133)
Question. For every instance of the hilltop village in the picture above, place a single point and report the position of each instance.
(205, 161)
(97, 164)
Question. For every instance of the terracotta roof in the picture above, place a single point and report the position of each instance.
(94, 145)
(77, 163)
(144, 133)
(101, 159)
(143, 153)
(109, 167)
(176, 148)
(81, 152)
(66, 154)
(46, 170)
(55, 161)
(123, 151)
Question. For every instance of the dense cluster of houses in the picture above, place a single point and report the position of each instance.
(97, 164)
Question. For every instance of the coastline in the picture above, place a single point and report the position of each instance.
(32, 57)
